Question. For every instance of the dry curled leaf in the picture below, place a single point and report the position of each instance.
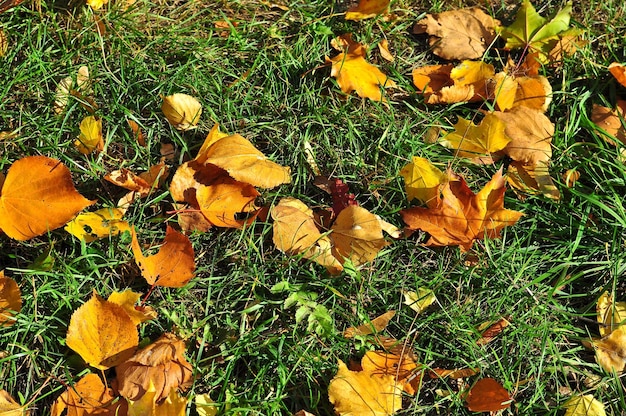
(459, 34)
(446, 84)
(88, 396)
(493, 330)
(532, 178)
(377, 324)
(611, 350)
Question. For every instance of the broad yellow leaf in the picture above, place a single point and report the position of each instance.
(584, 405)
(90, 138)
(147, 405)
(474, 141)
(214, 135)
(611, 350)
(172, 266)
(103, 223)
(611, 314)
(367, 9)
(96, 4)
(37, 196)
(102, 333)
(10, 300)
(534, 92)
(205, 406)
(9, 407)
(459, 34)
(227, 202)
(422, 181)
(127, 300)
(182, 111)
(420, 300)
(400, 366)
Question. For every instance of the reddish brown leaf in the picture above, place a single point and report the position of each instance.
(487, 395)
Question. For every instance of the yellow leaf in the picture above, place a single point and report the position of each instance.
(420, 300)
(127, 300)
(90, 138)
(96, 4)
(9, 407)
(468, 81)
(214, 135)
(10, 300)
(360, 393)
(474, 141)
(611, 314)
(611, 350)
(4, 43)
(584, 405)
(103, 223)
(182, 111)
(532, 178)
(37, 196)
(102, 333)
(422, 181)
(205, 406)
(367, 9)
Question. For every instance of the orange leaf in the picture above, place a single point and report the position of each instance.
(354, 73)
(611, 121)
(102, 333)
(10, 300)
(161, 364)
(172, 266)
(455, 373)
(487, 395)
(9, 407)
(89, 396)
(137, 133)
(611, 350)
(402, 367)
(490, 333)
(375, 325)
(127, 300)
(619, 72)
(367, 9)
(462, 216)
(38, 196)
(225, 200)
(447, 84)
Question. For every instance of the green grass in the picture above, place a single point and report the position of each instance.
(247, 351)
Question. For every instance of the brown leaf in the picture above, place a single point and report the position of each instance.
(354, 73)
(487, 395)
(10, 300)
(530, 132)
(402, 367)
(137, 133)
(459, 34)
(619, 72)
(611, 121)
(462, 216)
(367, 9)
(89, 396)
(455, 373)
(161, 363)
(38, 196)
(144, 183)
(102, 333)
(467, 81)
(611, 350)
(493, 331)
(375, 325)
(532, 178)
(172, 266)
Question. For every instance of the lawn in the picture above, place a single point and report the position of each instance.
(258, 70)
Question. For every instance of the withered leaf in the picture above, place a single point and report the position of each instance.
(10, 300)
(487, 395)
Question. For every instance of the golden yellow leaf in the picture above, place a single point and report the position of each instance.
(227, 202)
(584, 405)
(611, 350)
(360, 393)
(9, 407)
(375, 325)
(420, 300)
(92, 226)
(172, 266)
(467, 81)
(462, 216)
(173, 405)
(102, 333)
(88, 396)
(367, 9)
(205, 406)
(182, 111)
(96, 4)
(90, 138)
(160, 365)
(422, 181)
(534, 92)
(474, 141)
(214, 135)
(37, 196)
(354, 73)
(10, 300)
(383, 48)
(127, 300)
(459, 34)
(611, 314)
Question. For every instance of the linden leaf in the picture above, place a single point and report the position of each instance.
(611, 121)
(611, 350)
(584, 405)
(90, 138)
(354, 73)
(182, 111)
(530, 132)
(214, 135)
(172, 266)
(161, 366)
(619, 72)
(88, 396)
(362, 393)
(102, 333)
(420, 300)
(225, 200)
(127, 300)
(422, 181)
(244, 162)
(377, 324)
(462, 216)
(147, 405)
(38, 196)
(367, 9)
(9, 407)
(205, 406)
(401, 367)
(10, 300)
(487, 395)
(538, 34)
(474, 141)
(295, 233)
(92, 226)
(459, 34)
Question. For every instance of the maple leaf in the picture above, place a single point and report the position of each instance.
(88, 396)
(611, 121)
(512, 91)
(182, 111)
(530, 132)
(37, 196)
(10, 300)
(462, 216)
(354, 73)
(92, 226)
(102, 333)
(487, 395)
(160, 366)
(538, 34)
(474, 141)
(422, 181)
(448, 84)
(362, 393)
(172, 266)
(9, 407)
(367, 9)
(584, 405)
(90, 138)
(459, 34)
